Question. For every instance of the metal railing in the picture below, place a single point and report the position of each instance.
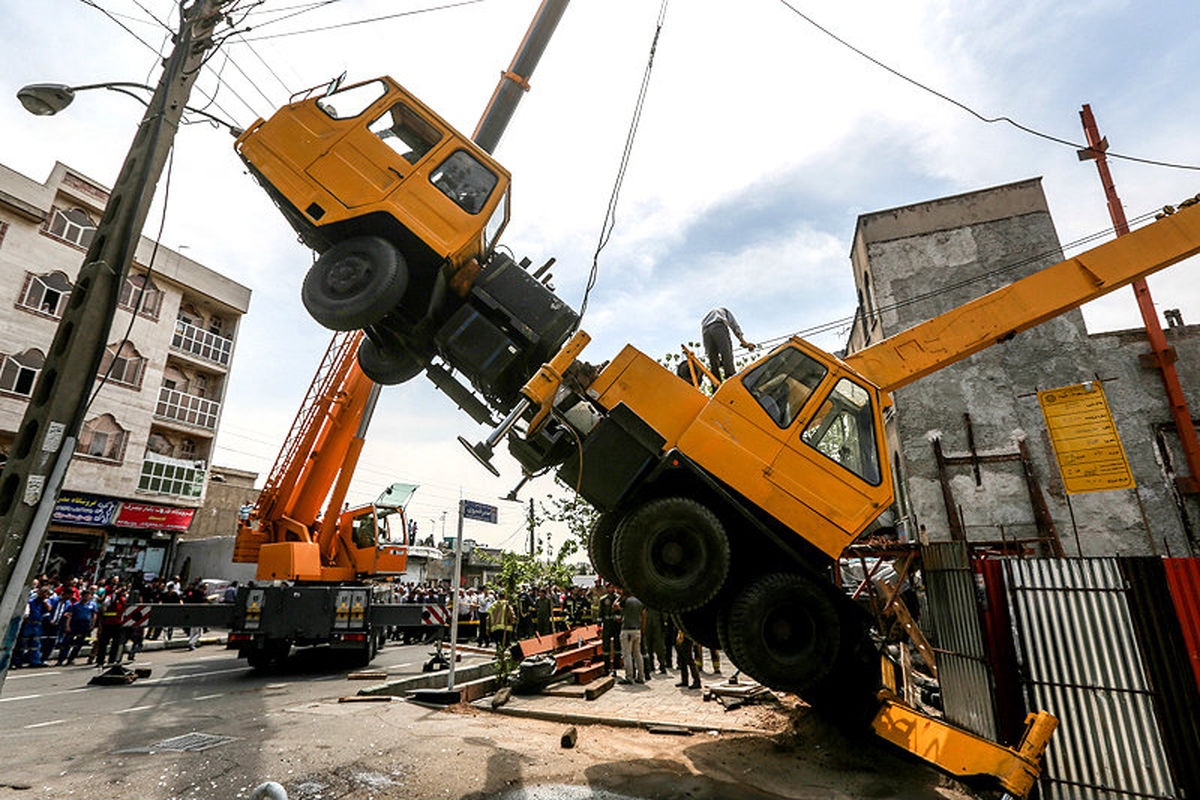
(199, 342)
(187, 408)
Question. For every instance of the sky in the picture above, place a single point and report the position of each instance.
(760, 143)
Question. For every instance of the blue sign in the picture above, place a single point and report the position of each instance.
(479, 511)
(82, 509)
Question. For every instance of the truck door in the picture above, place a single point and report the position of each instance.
(832, 458)
(377, 151)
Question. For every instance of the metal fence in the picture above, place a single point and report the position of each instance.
(1081, 661)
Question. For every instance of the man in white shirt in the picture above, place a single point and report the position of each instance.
(714, 332)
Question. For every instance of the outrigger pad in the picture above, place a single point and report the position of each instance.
(117, 675)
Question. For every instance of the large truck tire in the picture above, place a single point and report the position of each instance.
(784, 632)
(355, 283)
(387, 367)
(600, 546)
(271, 656)
(672, 554)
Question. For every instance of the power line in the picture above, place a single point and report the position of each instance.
(358, 21)
(610, 213)
(127, 29)
(967, 108)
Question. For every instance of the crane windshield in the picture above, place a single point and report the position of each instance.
(782, 384)
(844, 430)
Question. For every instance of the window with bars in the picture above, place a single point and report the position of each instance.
(19, 372)
(102, 438)
(143, 294)
(72, 225)
(45, 294)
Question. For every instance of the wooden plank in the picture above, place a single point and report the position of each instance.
(367, 675)
(598, 687)
(565, 690)
(366, 698)
(588, 673)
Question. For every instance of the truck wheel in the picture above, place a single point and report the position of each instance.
(600, 546)
(784, 632)
(387, 367)
(672, 553)
(355, 283)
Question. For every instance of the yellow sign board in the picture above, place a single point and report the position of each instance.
(1084, 436)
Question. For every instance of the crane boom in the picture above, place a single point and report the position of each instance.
(998, 316)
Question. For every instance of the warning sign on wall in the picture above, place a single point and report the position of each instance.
(1084, 436)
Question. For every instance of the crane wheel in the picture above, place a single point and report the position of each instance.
(784, 631)
(672, 554)
(355, 283)
(600, 546)
(387, 367)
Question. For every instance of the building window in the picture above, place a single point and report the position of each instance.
(215, 324)
(142, 294)
(187, 449)
(200, 385)
(102, 438)
(123, 364)
(18, 373)
(73, 226)
(45, 294)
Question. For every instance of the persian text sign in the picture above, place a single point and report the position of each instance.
(479, 511)
(142, 515)
(82, 509)
(1086, 444)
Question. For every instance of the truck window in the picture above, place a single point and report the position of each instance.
(466, 181)
(351, 102)
(495, 224)
(406, 132)
(783, 382)
(844, 430)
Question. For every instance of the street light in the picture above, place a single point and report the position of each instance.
(47, 99)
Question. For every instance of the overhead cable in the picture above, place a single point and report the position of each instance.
(968, 109)
(610, 213)
(357, 21)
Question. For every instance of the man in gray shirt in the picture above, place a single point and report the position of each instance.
(714, 332)
(633, 617)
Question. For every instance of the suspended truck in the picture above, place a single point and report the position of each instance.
(727, 510)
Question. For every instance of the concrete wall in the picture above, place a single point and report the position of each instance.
(210, 558)
(910, 264)
(228, 490)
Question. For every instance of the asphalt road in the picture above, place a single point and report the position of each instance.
(52, 717)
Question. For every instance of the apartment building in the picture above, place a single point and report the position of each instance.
(142, 463)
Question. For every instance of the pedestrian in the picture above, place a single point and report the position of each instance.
(713, 653)
(54, 628)
(196, 596)
(502, 618)
(112, 633)
(714, 332)
(610, 629)
(542, 612)
(654, 638)
(37, 612)
(230, 593)
(633, 618)
(81, 620)
(687, 664)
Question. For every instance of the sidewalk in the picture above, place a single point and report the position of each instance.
(658, 702)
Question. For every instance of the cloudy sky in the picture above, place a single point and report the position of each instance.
(761, 142)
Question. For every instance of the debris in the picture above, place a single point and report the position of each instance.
(116, 675)
(366, 698)
(570, 735)
(501, 697)
(598, 687)
(269, 790)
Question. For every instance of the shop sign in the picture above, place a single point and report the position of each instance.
(149, 517)
(82, 509)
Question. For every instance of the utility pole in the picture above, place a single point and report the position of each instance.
(45, 441)
(531, 528)
(1161, 356)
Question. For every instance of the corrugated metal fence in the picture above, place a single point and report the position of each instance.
(1082, 662)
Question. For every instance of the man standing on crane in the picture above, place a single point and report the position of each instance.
(714, 332)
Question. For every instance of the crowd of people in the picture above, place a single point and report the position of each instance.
(62, 617)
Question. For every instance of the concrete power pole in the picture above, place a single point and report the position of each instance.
(531, 528)
(45, 441)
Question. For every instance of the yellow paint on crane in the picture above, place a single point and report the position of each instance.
(1085, 439)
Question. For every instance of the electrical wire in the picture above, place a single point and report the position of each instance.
(963, 106)
(358, 21)
(610, 213)
(258, 55)
(127, 29)
(304, 9)
(1056, 252)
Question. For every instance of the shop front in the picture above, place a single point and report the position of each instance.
(94, 537)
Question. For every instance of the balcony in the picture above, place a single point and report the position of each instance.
(203, 344)
(189, 409)
(174, 476)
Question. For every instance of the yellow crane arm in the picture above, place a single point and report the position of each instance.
(998, 316)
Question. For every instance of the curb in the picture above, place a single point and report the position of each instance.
(431, 680)
(616, 722)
